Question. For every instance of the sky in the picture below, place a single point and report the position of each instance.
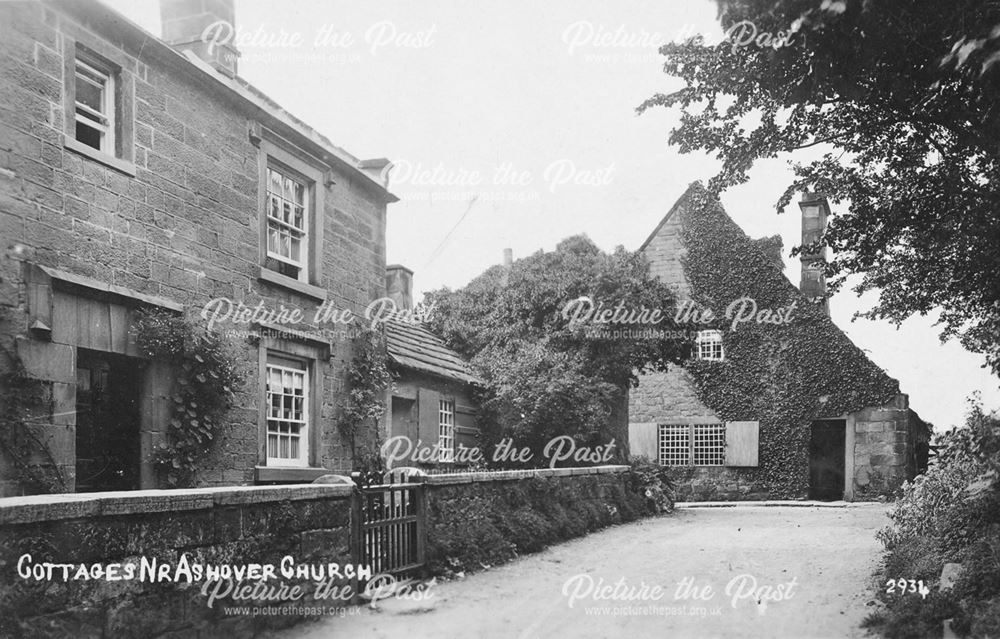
(513, 125)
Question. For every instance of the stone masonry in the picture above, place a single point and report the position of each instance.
(176, 217)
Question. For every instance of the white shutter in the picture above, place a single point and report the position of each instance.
(643, 441)
(742, 443)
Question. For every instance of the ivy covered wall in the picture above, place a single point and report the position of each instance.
(784, 376)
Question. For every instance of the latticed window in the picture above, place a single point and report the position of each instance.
(709, 445)
(692, 444)
(446, 430)
(95, 102)
(287, 221)
(675, 444)
(287, 412)
(709, 345)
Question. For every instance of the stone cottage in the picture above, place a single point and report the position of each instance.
(143, 173)
(432, 413)
(775, 401)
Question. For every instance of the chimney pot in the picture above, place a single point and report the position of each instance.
(508, 257)
(399, 286)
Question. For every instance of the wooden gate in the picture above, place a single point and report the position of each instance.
(388, 526)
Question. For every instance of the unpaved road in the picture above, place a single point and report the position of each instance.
(830, 553)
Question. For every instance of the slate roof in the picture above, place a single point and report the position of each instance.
(412, 346)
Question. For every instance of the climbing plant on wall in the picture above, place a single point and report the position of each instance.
(25, 412)
(367, 378)
(784, 376)
(25, 416)
(206, 378)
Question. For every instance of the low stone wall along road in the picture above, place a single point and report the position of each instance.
(745, 571)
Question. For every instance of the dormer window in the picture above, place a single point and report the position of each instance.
(709, 345)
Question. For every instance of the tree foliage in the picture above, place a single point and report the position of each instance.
(902, 95)
(543, 376)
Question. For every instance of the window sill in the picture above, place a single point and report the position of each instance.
(269, 276)
(118, 164)
(290, 474)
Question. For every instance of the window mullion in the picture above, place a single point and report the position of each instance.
(691, 444)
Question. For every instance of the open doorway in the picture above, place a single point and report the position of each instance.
(826, 459)
(107, 421)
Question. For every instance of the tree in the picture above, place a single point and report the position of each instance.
(546, 375)
(904, 97)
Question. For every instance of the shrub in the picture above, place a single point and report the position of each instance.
(986, 619)
(916, 618)
(929, 502)
(949, 514)
(919, 558)
(654, 483)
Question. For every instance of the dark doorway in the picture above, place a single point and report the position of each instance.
(107, 421)
(403, 422)
(826, 460)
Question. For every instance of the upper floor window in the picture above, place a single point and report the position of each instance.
(287, 205)
(709, 345)
(95, 105)
(98, 105)
(446, 430)
(291, 201)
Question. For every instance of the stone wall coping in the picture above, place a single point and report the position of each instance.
(35, 508)
(513, 475)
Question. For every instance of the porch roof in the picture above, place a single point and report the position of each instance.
(412, 346)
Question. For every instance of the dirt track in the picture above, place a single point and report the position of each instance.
(815, 565)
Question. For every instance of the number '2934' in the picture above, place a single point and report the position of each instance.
(903, 586)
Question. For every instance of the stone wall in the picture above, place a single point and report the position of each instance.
(176, 216)
(704, 483)
(665, 253)
(884, 440)
(667, 398)
(212, 526)
(480, 519)
(472, 519)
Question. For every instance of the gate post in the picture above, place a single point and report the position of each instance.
(421, 503)
(355, 535)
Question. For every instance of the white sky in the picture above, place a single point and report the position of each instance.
(467, 88)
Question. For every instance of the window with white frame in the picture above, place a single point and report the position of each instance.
(446, 430)
(675, 444)
(94, 87)
(692, 444)
(708, 447)
(709, 345)
(287, 208)
(287, 406)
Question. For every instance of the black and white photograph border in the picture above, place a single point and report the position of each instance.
(423, 319)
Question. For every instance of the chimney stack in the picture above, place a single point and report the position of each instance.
(508, 260)
(399, 286)
(205, 27)
(815, 211)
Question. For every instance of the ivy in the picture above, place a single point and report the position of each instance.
(784, 376)
(367, 378)
(26, 402)
(206, 378)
